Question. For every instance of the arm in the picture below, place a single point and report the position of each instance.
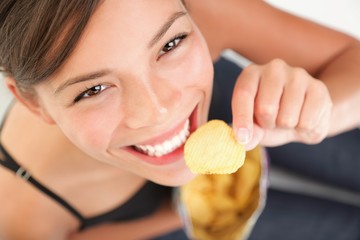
(161, 222)
(261, 33)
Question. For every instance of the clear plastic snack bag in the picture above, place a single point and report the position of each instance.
(225, 206)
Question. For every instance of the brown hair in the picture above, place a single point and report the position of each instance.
(37, 36)
(30, 49)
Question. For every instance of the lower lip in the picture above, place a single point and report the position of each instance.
(172, 157)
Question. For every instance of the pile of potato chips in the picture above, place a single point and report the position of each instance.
(220, 206)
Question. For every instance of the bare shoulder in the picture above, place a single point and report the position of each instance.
(26, 214)
(30, 140)
(25, 128)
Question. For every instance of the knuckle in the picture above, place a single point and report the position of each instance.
(266, 111)
(306, 126)
(299, 74)
(277, 62)
(250, 68)
(319, 88)
(286, 122)
(312, 137)
(315, 137)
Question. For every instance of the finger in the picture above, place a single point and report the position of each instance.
(320, 131)
(316, 104)
(243, 103)
(258, 135)
(292, 100)
(269, 93)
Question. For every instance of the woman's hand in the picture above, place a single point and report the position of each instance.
(274, 104)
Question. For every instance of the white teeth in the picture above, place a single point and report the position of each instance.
(167, 146)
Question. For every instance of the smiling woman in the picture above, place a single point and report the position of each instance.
(107, 93)
(86, 73)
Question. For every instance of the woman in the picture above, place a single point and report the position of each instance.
(108, 91)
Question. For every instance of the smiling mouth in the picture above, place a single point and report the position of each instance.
(168, 146)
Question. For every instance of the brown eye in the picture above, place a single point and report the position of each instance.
(172, 44)
(91, 92)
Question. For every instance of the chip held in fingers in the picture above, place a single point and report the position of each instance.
(213, 149)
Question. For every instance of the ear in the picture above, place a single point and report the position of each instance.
(29, 100)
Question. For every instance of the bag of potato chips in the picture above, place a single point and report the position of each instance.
(225, 206)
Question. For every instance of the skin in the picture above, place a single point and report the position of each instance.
(323, 53)
(133, 69)
(273, 103)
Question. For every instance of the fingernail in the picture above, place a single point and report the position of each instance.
(243, 135)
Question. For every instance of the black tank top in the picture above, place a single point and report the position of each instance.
(142, 203)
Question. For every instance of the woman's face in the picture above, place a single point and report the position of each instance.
(138, 81)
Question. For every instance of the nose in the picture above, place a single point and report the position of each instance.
(149, 104)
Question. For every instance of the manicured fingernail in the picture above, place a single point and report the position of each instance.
(243, 135)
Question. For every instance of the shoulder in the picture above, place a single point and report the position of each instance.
(22, 125)
(25, 214)
(30, 140)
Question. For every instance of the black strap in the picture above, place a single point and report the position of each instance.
(9, 163)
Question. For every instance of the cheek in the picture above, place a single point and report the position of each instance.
(91, 129)
(200, 67)
(195, 68)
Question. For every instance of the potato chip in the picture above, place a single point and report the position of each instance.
(222, 183)
(221, 202)
(213, 149)
(223, 220)
(220, 206)
(247, 180)
(200, 207)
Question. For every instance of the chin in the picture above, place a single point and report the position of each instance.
(172, 177)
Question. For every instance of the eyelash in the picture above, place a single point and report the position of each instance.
(169, 46)
(173, 43)
(92, 91)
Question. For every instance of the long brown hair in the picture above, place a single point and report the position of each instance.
(37, 36)
(30, 31)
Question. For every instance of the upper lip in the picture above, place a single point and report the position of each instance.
(166, 135)
(169, 133)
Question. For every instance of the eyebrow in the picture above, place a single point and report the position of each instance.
(165, 27)
(91, 76)
(81, 78)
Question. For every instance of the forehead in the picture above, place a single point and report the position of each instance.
(119, 29)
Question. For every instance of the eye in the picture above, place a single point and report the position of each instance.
(91, 92)
(172, 44)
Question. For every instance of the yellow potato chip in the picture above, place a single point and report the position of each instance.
(220, 206)
(200, 207)
(213, 149)
(223, 220)
(222, 183)
(247, 180)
